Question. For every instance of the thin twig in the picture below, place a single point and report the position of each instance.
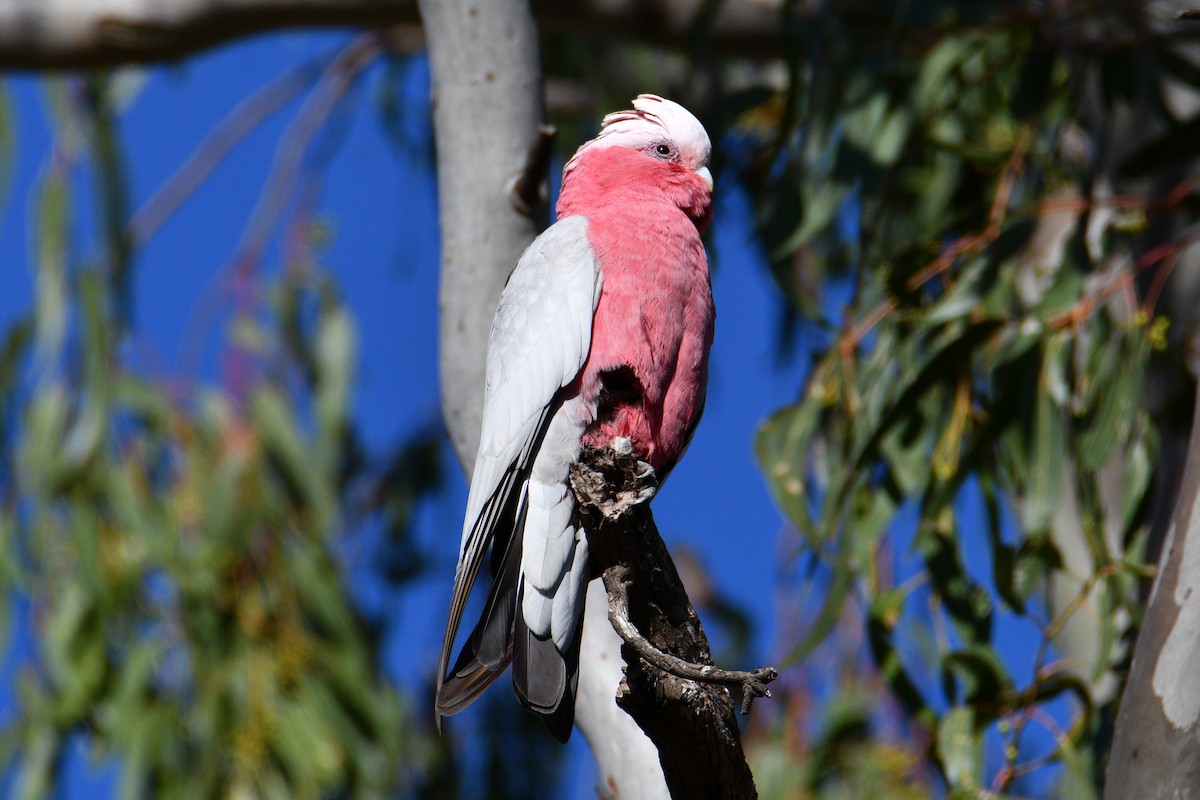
(286, 171)
(241, 122)
(1125, 202)
(753, 682)
(337, 76)
(996, 216)
(1160, 279)
(962, 246)
(1165, 256)
(337, 79)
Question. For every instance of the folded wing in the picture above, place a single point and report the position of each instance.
(519, 504)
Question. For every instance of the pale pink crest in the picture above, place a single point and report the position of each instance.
(651, 121)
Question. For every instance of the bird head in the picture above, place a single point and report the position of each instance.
(657, 145)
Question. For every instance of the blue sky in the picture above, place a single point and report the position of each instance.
(379, 202)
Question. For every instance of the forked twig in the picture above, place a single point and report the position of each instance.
(753, 682)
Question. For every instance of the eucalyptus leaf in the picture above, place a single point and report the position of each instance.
(1116, 405)
(335, 363)
(959, 749)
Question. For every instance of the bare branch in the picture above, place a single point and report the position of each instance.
(753, 682)
(241, 122)
(71, 34)
(74, 34)
(35, 34)
(246, 118)
(487, 112)
(289, 158)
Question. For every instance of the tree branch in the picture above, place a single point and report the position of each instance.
(488, 116)
(35, 34)
(246, 118)
(77, 34)
(671, 688)
(753, 682)
(73, 34)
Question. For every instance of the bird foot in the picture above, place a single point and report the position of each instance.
(626, 499)
(649, 479)
(612, 480)
(641, 482)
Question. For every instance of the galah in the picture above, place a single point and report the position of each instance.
(602, 332)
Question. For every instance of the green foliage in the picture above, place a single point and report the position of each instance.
(176, 547)
(986, 375)
(182, 579)
(843, 759)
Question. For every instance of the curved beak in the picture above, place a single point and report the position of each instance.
(707, 176)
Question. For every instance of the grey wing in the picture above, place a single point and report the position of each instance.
(539, 342)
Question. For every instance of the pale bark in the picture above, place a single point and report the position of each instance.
(1156, 751)
(625, 757)
(1156, 746)
(73, 34)
(45, 34)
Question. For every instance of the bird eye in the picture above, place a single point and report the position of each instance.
(663, 150)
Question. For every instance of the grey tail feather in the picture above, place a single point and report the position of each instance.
(488, 650)
(544, 679)
(462, 687)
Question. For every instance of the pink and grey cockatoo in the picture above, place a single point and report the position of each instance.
(602, 332)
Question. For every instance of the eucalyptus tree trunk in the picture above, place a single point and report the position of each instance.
(487, 104)
(488, 114)
(1156, 749)
(1156, 752)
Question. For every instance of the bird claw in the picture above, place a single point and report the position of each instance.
(645, 475)
(638, 482)
(627, 499)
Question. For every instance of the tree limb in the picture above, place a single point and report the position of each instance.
(753, 682)
(671, 689)
(77, 34)
(489, 140)
(73, 34)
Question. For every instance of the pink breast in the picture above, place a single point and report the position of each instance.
(653, 327)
